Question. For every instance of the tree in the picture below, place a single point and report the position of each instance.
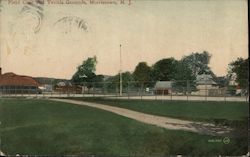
(142, 73)
(86, 72)
(113, 82)
(198, 63)
(164, 69)
(222, 81)
(127, 77)
(98, 81)
(239, 67)
(184, 79)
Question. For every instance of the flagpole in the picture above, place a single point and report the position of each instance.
(120, 70)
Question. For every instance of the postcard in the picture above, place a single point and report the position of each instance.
(124, 77)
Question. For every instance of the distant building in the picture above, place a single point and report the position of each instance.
(206, 86)
(11, 83)
(64, 83)
(45, 83)
(163, 87)
(232, 81)
(65, 86)
(49, 84)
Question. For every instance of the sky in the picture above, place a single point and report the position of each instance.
(54, 40)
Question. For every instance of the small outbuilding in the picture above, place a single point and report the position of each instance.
(207, 86)
(163, 87)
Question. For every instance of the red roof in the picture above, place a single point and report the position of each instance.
(11, 79)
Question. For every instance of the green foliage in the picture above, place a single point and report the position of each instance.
(164, 69)
(178, 71)
(86, 73)
(198, 63)
(114, 81)
(184, 78)
(222, 81)
(98, 81)
(240, 68)
(170, 69)
(142, 72)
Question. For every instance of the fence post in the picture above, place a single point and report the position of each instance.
(141, 90)
(225, 93)
(116, 92)
(187, 90)
(43, 93)
(67, 90)
(51, 93)
(15, 91)
(155, 93)
(59, 92)
(103, 93)
(247, 91)
(128, 90)
(162, 94)
(103, 89)
(93, 84)
(83, 89)
(171, 93)
(206, 92)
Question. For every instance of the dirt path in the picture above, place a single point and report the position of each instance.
(165, 122)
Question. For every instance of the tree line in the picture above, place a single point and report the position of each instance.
(183, 72)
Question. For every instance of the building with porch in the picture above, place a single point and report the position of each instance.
(11, 83)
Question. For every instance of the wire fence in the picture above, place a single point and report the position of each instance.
(172, 90)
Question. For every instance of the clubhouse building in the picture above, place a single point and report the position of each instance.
(11, 83)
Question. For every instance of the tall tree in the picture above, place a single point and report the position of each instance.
(142, 72)
(198, 63)
(164, 69)
(86, 72)
(239, 67)
(113, 82)
(184, 79)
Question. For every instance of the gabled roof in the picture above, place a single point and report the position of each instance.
(163, 84)
(205, 79)
(11, 79)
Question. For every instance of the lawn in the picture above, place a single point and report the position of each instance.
(192, 110)
(42, 127)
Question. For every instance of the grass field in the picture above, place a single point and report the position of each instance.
(32, 126)
(193, 110)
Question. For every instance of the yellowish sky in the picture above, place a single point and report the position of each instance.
(148, 31)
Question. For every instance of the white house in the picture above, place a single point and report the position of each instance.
(206, 85)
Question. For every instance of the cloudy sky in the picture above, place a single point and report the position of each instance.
(54, 39)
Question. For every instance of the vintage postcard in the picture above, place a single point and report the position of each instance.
(124, 77)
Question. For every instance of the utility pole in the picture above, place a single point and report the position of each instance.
(120, 70)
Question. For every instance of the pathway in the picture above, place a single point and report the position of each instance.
(164, 122)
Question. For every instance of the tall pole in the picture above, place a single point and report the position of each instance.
(120, 70)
